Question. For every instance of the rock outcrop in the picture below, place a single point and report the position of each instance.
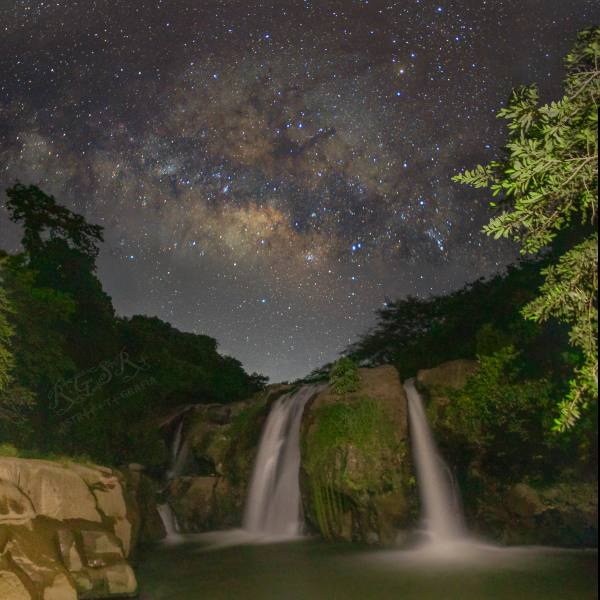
(558, 510)
(219, 444)
(66, 530)
(355, 473)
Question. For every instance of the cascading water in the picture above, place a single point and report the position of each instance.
(178, 452)
(442, 514)
(178, 456)
(273, 506)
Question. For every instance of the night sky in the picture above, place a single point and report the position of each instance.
(270, 173)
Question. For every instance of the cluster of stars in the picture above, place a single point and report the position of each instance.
(270, 173)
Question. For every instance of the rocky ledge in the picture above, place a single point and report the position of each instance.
(67, 530)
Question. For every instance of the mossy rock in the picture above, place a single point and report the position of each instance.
(355, 470)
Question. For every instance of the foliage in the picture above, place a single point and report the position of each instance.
(344, 376)
(482, 317)
(547, 183)
(6, 332)
(498, 424)
(83, 380)
(41, 215)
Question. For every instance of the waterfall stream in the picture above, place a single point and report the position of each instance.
(273, 506)
(441, 508)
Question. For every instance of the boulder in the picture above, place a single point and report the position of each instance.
(55, 491)
(140, 495)
(523, 501)
(355, 468)
(435, 383)
(61, 588)
(11, 587)
(192, 501)
(221, 442)
(63, 530)
(15, 506)
(101, 548)
(452, 374)
(67, 547)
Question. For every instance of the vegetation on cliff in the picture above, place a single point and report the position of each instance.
(354, 455)
(75, 378)
(546, 186)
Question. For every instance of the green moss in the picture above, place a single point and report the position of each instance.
(10, 451)
(347, 451)
(244, 434)
(344, 376)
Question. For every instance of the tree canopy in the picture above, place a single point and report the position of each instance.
(74, 377)
(546, 186)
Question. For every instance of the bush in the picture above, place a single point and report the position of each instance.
(503, 419)
(344, 376)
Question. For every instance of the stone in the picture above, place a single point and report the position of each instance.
(68, 550)
(11, 587)
(523, 501)
(191, 499)
(55, 491)
(60, 589)
(35, 561)
(357, 488)
(121, 579)
(124, 531)
(101, 548)
(15, 506)
(452, 374)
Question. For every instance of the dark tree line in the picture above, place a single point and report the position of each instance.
(74, 377)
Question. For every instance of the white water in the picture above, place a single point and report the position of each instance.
(179, 452)
(169, 522)
(441, 510)
(273, 506)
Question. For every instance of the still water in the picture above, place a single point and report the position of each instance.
(220, 567)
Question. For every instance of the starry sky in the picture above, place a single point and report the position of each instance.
(270, 173)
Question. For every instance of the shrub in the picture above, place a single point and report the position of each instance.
(344, 376)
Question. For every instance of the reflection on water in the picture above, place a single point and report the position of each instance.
(235, 564)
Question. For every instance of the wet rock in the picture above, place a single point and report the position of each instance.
(192, 501)
(355, 471)
(101, 548)
(523, 501)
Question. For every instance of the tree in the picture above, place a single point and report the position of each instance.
(41, 215)
(6, 332)
(61, 248)
(547, 186)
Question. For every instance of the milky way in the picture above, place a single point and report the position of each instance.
(271, 173)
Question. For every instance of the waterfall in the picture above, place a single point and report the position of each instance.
(273, 506)
(442, 514)
(179, 452)
(169, 522)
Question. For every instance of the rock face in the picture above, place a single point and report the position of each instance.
(65, 531)
(355, 473)
(356, 482)
(435, 383)
(563, 512)
(215, 461)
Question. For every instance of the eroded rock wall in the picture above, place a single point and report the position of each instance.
(66, 531)
(356, 477)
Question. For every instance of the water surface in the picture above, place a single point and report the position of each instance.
(218, 567)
